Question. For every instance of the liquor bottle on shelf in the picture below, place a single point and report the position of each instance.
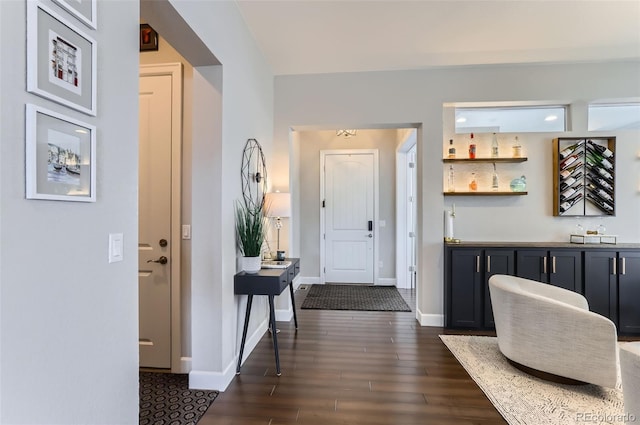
(566, 173)
(571, 180)
(568, 193)
(600, 182)
(600, 192)
(564, 207)
(452, 149)
(602, 150)
(517, 148)
(494, 179)
(604, 206)
(451, 187)
(494, 146)
(472, 148)
(473, 185)
(568, 161)
(570, 149)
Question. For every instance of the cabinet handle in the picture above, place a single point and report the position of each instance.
(553, 264)
(488, 264)
(623, 266)
(477, 264)
(615, 265)
(544, 264)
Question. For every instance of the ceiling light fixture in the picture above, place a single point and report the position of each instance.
(346, 133)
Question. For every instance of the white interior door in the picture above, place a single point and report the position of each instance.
(154, 243)
(349, 217)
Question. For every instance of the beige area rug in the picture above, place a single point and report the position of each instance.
(525, 400)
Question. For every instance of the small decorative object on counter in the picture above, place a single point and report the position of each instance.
(472, 148)
(519, 184)
(473, 185)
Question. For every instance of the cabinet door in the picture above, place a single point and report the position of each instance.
(496, 262)
(565, 269)
(532, 264)
(465, 286)
(600, 287)
(629, 292)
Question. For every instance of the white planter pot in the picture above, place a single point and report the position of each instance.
(251, 264)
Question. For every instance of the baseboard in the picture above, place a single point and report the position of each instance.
(429, 319)
(387, 281)
(219, 381)
(306, 280)
(185, 365)
(284, 315)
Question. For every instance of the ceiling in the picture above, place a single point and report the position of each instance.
(322, 36)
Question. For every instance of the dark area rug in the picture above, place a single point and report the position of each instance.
(354, 297)
(165, 399)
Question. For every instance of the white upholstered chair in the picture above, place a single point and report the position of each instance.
(630, 370)
(550, 329)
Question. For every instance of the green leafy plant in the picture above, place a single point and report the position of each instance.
(250, 229)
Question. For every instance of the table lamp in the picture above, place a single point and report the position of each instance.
(278, 205)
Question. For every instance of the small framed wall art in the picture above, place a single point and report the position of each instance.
(60, 157)
(84, 10)
(61, 60)
(148, 38)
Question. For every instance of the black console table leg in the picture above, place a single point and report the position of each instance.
(272, 316)
(244, 331)
(293, 304)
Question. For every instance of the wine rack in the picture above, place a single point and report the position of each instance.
(584, 176)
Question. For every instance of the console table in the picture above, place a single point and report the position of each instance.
(269, 282)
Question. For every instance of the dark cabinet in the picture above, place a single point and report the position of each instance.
(612, 287)
(464, 300)
(561, 268)
(497, 261)
(468, 298)
(609, 277)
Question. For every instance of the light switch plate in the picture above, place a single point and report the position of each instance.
(186, 231)
(116, 247)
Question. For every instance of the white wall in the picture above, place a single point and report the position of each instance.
(383, 98)
(239, 106)
(68, 330)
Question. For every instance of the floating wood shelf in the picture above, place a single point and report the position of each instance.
(484, 193)
(468, 160)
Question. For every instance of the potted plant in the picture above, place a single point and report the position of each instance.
(250, 235)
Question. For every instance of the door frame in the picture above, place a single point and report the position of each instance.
(174, 70)
(403, 239)
(376, 197)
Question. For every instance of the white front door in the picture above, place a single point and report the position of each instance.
(349, 181)
(154, 215)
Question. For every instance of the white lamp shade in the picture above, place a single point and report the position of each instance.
(278, 204)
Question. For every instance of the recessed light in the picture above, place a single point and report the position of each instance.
(461, 119)
(551, 118)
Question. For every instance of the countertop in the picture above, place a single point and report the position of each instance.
(484, 244)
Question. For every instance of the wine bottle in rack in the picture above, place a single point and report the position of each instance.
(600, 182)
(565, 163)
(566, 173)
(599, 192)
(571, 180)
(599, 171)
(568, 193)
(604, 206)
(598, 159)
(566, 205)
(570, 149)
(602, 150)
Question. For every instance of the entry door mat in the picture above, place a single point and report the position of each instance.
(354, 297)
(165, 399)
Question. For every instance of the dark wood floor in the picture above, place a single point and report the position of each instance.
(349, 367)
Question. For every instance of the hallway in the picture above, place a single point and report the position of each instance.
(352, 367)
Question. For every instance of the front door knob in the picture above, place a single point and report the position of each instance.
(163, 243)
(161, 260)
